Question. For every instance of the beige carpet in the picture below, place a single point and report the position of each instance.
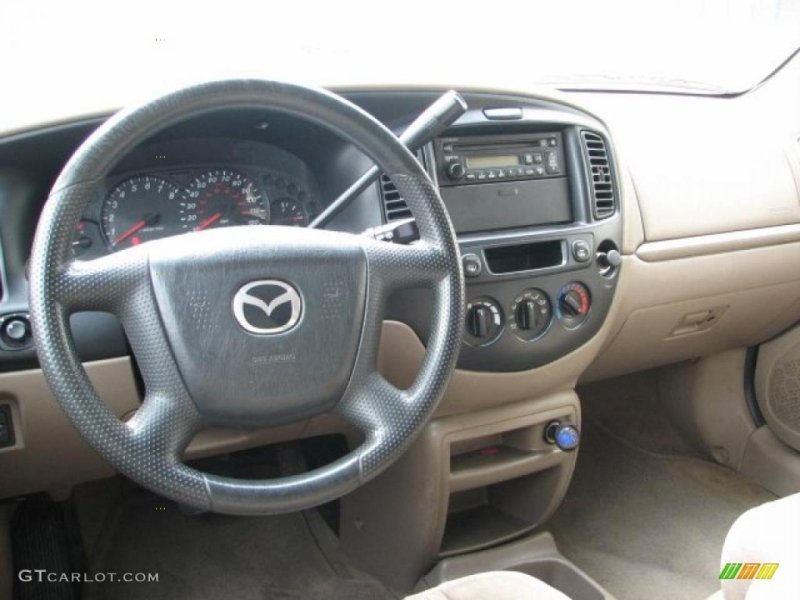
(645, 524)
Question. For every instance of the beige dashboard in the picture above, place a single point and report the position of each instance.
(711, 248)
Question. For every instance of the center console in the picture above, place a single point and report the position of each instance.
(535, 205)
(532, 190)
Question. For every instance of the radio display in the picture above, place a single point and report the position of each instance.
(489, 161)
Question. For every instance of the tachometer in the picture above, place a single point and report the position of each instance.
(223, 197)
(138, 210)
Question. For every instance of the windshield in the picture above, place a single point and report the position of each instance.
(99, 53)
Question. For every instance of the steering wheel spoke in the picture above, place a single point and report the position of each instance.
(166, 425)
(366, 404)
(104, 283)
(395, 266)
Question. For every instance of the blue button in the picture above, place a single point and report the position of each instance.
(567, 437)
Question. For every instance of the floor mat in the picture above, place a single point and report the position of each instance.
(210, 556)
(648, 525)
(44, 536)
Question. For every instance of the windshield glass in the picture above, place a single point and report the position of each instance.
(90, 53)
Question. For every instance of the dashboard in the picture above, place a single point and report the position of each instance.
(600, 234)
(538, 214)
(165, 191)
(531, 187)
(542, 225)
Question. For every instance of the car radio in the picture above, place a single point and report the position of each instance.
(503, 181)
(487, 159)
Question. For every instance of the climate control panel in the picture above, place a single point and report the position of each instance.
(533, 299)
(530, 314)
(509, 326)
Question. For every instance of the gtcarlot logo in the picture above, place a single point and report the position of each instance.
(45, 576)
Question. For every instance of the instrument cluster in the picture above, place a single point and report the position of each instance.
(150, 205)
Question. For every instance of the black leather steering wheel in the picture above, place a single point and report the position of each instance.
(246, 326)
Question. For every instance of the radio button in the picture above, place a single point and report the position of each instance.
(539, 171)
(492, 175)
(552, 162)
(470, 176)
(530, 171)
(537, 157)
(481, 175)
(528, 159)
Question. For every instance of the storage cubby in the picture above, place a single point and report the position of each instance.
(501, 486)
(470, 482)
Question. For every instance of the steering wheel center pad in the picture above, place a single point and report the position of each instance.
(238, 377)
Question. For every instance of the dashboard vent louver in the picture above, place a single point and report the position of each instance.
(604, 200)
(394, 205)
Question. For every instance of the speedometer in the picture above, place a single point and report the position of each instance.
(138, 210)
(223, 197)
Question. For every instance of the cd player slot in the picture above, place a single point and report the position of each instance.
(526, 257)
(489, 147)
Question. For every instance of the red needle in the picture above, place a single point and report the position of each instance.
(209, 221)
(136, 227)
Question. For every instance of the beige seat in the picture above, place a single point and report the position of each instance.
(493, 585)
(769, 533)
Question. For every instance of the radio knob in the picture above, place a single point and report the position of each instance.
(456, 170)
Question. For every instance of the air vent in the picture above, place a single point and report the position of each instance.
(603, 198)
(394, 205)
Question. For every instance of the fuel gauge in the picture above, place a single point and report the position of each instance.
(287, 211)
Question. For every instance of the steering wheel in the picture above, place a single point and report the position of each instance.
(246, 326)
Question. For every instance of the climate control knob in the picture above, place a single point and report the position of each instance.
(532, 314)
(571, 304)
(526, 314)
(478, 320)
(484, 321)
(574, 302)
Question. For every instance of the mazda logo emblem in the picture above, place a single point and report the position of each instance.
(268, 306)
